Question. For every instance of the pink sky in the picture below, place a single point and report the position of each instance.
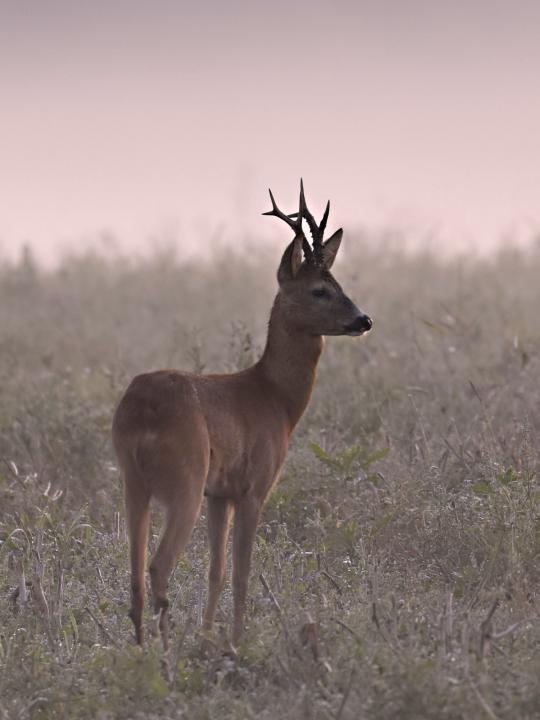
(170, 119)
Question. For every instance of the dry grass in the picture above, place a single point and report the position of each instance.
(396, 573)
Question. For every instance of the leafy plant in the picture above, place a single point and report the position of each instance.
(350, 462)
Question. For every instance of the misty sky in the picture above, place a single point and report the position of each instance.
(170, 119)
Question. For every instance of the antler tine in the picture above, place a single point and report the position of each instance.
(322, 226)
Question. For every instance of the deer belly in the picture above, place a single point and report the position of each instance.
(228, 479)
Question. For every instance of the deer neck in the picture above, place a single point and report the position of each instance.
(290, 361)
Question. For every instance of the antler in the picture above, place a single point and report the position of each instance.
(317, 231)
(296, 225)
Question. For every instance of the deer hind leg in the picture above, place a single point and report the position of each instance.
(247, 514)
(220, 512)
(181, 516)
(137, 502)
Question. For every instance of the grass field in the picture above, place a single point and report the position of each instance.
(401, 547)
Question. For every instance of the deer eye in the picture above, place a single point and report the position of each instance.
(319, 293)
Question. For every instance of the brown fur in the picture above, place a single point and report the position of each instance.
(179, 436)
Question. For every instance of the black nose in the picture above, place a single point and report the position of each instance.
(363, 323)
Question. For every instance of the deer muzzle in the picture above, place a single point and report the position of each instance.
(359, 325)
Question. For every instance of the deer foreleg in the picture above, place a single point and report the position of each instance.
(247, 514)
(219, 512)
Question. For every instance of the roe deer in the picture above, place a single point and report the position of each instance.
(180, 436)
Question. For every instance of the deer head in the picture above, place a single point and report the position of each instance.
(310, 297)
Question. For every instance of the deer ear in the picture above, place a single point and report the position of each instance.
(291, 260)
(331, 247)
